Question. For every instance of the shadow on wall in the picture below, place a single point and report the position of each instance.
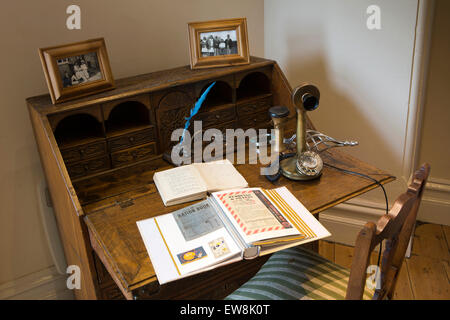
(340, 117)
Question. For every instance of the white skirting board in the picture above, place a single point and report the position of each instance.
(435, 206)
(346, 220)
(46, 284)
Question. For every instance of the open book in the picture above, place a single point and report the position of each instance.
(227, 227)
(192, 182)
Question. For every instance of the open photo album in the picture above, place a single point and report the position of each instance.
(227, 227)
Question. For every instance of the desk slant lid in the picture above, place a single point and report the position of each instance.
(117, 236)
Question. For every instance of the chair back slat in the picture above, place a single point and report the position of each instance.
(395, 228)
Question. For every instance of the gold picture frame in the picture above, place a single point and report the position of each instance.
(228, 50)
(77, 69)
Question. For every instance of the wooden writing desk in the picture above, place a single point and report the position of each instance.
(116, 239)
(99, 154)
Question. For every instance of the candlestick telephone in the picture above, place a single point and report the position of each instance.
(305, 163)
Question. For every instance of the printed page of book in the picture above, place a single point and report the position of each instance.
(255, 216)
(220, 175)
(187, 241)
(180, 185)
(299, 215)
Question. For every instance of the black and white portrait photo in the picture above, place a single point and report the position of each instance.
(218, 43)
(80, 69)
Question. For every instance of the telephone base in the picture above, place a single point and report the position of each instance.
(289, 170)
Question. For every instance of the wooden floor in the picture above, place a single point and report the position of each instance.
(425, 275)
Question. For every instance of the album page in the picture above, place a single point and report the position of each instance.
(255, 216)
(270, 219)
(188, 241)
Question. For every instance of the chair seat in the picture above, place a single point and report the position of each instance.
(297, 274)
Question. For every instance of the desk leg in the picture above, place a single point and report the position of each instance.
(313, 246)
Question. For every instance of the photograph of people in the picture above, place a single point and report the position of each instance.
(218, 43)
(79, 69)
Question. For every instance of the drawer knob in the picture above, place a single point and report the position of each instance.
(217, 116)
(131, 139)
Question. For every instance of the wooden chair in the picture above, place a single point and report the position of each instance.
(298, 273)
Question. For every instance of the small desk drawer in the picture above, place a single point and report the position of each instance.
(133, 154)
(257, 120)
(111, 292)
(216, 116)
(86, 167)
(227, 125)
(131, 139)
(256, 105)
(84, 151)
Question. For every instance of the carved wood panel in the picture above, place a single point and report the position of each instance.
(176, 97)
(171, 112)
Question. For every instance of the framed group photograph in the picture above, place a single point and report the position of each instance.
(77, 69)
(218, 43)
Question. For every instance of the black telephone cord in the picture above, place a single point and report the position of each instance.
(275, 177)
(378, 183)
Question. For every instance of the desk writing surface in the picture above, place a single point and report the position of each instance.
(112, 221)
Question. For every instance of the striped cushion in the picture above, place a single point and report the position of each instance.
(296, 274)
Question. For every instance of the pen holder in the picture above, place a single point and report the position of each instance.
(279, 115)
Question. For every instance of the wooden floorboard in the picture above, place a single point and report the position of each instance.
(428, 278)
(428, 265)
(429, 241)
(423, 276)
(403, 289)
(446, 231)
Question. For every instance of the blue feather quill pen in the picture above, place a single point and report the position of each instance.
(195, 110)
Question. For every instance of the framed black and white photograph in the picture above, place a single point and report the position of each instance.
(77, 69)
(80, 69)
(218, 43)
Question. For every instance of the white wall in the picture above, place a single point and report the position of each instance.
(141, 36)
(436, 120)
(364, 75)
(372, 83)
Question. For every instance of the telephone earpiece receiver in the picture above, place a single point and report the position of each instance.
(306, 164)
